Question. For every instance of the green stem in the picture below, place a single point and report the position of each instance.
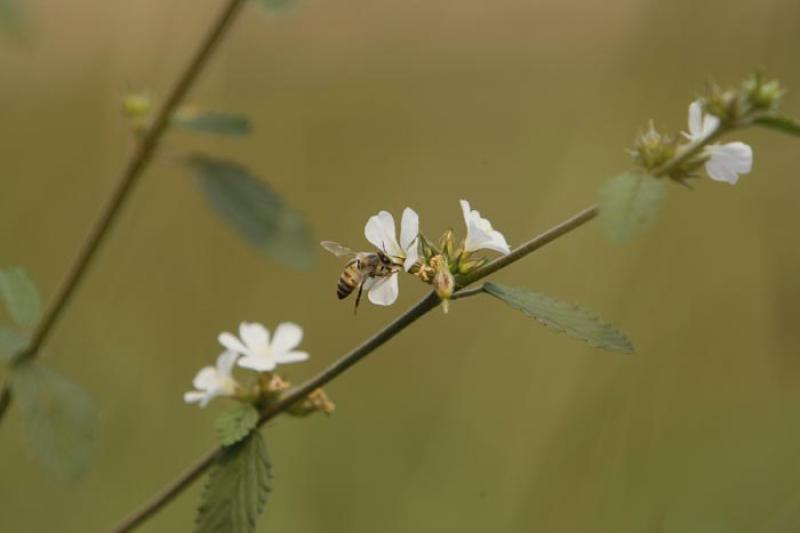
(429, 302)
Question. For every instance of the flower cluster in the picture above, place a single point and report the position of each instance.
(254, 349)
(412, 253)
(717, 113)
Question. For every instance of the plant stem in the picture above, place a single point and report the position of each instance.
(133, 171)
(429, 302)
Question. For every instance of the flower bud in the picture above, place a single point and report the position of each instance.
(446, 244)
(136, 106)
(723, 104)
(317, 400)
(762, 95)
(652, 149)
(443, 281)
(271, 385)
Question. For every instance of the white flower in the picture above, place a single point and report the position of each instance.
(725, 161)
(212, 382)
(381, 232)
(258, 352)
(480, 234)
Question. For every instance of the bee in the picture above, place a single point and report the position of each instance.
(362, 268)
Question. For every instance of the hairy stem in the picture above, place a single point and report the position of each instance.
(136, 166)
(421, 308)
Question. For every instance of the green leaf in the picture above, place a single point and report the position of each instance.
(237, 423)
(59, 416)
(563, 317)
(12, 342)
(276, 5)
(237, 488)
(20, 295)
(212, 122)
(628, 204)
(252, 208)
(779, 123)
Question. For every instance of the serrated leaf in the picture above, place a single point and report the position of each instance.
(237, 423)
(60, 419)
(780, 123)
(253, 209)
(564, 317)
(20, 296)
(12, 342)
(212, 122)
(237, 489)
(628, 204)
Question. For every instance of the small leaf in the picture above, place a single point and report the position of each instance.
(276, 5)
(236, 424)
(628, 204)
(59, 416)
(20, 295)
(212, 122)
(237, 488)
(563, 317)
(779, 123)
(252, 208)
(12, 342)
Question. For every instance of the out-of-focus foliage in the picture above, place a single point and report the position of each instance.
(563, 317)
(11, 343)
(237, 489)
(254, 209)
(60, 419)
(20, 296)
(214, 122)
(628, 204)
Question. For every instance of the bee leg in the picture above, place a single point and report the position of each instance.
(358, 296)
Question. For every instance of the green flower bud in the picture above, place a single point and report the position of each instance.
(652, 149)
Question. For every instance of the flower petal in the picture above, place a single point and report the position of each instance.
(380, 231)
(206, 379)
(412, 256)
(710, 125)
(197, 397)
(286, 338)
(480, 234)
(259, 364)
(384, 291)
(409, 228)
(226, 362)
(727, 161)
(232, 343)
(292, 357)
(254, 335)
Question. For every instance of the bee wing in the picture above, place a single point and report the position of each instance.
(337, 249)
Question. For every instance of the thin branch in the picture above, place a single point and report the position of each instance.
(430, 301)
(399, 324)
(133, 171)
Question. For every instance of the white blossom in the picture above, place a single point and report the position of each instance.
(261, 354)
(381, 232)
(214, 381)
(480, 234)
(725, 161)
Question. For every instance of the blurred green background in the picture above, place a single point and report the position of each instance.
(478, 420)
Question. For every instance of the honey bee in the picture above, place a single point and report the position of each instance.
(362, 268)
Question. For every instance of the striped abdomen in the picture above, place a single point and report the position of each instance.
(349, 280)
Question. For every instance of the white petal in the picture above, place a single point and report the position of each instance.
(259, 364)
(206, 379)
(695, 120)
(480, 234)
(409, 228)
(384, 291)
(286, 338)
(727, 161)
(380, 231)
(232, 343)
(412, 256)
(196, 397)
(466, 211)
(254, 335)
(225, 362)
(710, 125)
(292, 357)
